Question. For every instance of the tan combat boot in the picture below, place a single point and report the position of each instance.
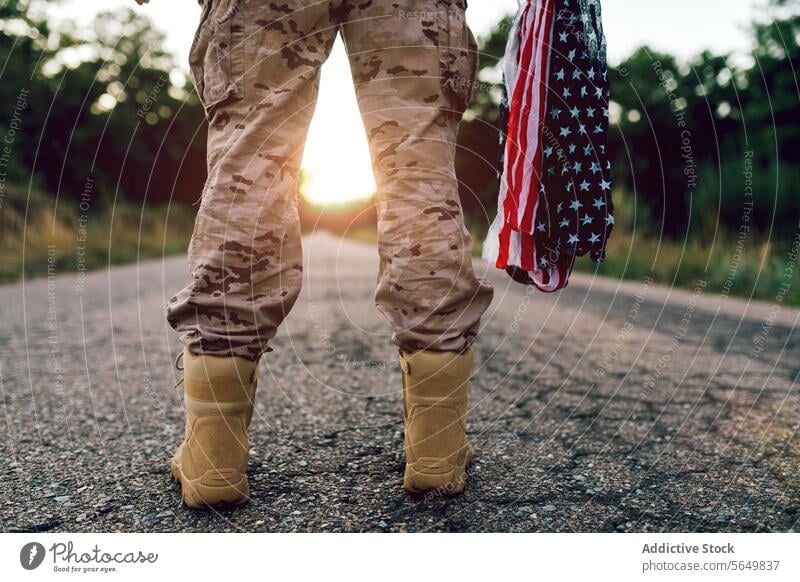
(211, 463)
(435, 386)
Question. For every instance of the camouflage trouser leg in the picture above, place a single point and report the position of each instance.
(413, 64)
(256, 66)
(258, 75)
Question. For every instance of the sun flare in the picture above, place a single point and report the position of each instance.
(336, 160)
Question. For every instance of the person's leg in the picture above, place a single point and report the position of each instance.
(413, 64)
(255, 64)
(413, 71)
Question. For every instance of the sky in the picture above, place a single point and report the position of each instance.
(341, 171)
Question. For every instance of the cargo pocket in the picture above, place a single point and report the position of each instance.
(458, 56)
(217, 56)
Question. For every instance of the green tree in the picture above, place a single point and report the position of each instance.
(102, 104)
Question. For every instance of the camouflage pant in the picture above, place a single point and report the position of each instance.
(256, 64)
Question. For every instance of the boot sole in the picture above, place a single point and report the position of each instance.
(215, 489)
(429, 474)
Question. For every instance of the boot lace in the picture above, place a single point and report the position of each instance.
(180, 368)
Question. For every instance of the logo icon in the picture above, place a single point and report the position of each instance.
(31, 555)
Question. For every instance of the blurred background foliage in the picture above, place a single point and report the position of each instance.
(107, 107)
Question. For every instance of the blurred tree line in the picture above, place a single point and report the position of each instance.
(103, 105)
(108, 108)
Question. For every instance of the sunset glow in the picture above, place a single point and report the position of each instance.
(336, 160)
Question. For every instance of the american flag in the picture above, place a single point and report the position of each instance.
(555, 188)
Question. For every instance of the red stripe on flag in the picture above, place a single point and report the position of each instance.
(517, 120)
(505, 241)
(533, 197)
(527, 251)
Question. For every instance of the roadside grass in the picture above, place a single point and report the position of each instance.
(756, 269)
(749, 266)
(68, 242)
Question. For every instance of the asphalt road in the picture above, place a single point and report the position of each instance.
(607, 407)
